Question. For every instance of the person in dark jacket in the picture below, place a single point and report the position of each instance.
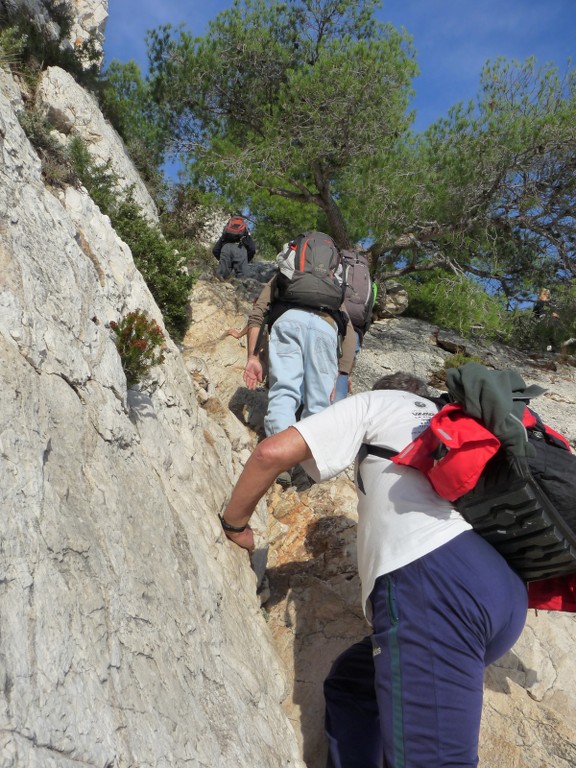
(547, 317)
(234, 252)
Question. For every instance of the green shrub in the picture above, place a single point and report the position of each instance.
(99, 180)
(35, 50)
(461, 358)
(455, 361)
(39, 131)
(530, 333)
(455, 302)
(140, 344)
(163, 266)
(57, 169)
(12, 46)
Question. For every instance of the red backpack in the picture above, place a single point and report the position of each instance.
(526, 510)
(235, 228)
(523, 503)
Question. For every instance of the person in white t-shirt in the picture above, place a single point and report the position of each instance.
(442, 603)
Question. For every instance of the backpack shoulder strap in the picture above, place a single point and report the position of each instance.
(389, 453)
(377, 450)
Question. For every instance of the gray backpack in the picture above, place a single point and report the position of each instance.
(310, 272)
(358, 296)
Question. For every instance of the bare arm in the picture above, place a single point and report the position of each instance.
(272, 456)
(253, 372)
(237, 334)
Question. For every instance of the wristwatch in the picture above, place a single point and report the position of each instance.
(232, 528)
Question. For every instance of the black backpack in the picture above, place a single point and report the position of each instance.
(526, 506)
(358, 295)
(310, 273)
(524, 499)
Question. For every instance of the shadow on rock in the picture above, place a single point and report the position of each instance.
(249, 407)
(509, 668)
(316, 601)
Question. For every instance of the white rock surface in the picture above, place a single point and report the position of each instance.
(130, 629)
(89, 18)
(74, 112)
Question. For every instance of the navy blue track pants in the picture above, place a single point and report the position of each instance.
(410, 695)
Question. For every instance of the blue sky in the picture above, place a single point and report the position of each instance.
(453, 38)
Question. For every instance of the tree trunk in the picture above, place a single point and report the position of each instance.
(336, 224)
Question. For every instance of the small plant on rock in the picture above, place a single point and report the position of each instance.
(452, 361)
(140, 343)
(12, 44)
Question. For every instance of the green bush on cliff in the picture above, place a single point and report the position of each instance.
(457, 303)
(140, 344)
(163, 266)
(27, 46)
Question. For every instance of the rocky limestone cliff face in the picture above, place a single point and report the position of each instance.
(89, 18)
(130, 630)
(311, 590)
(74, 112)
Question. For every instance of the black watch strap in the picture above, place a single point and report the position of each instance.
(232, 528)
